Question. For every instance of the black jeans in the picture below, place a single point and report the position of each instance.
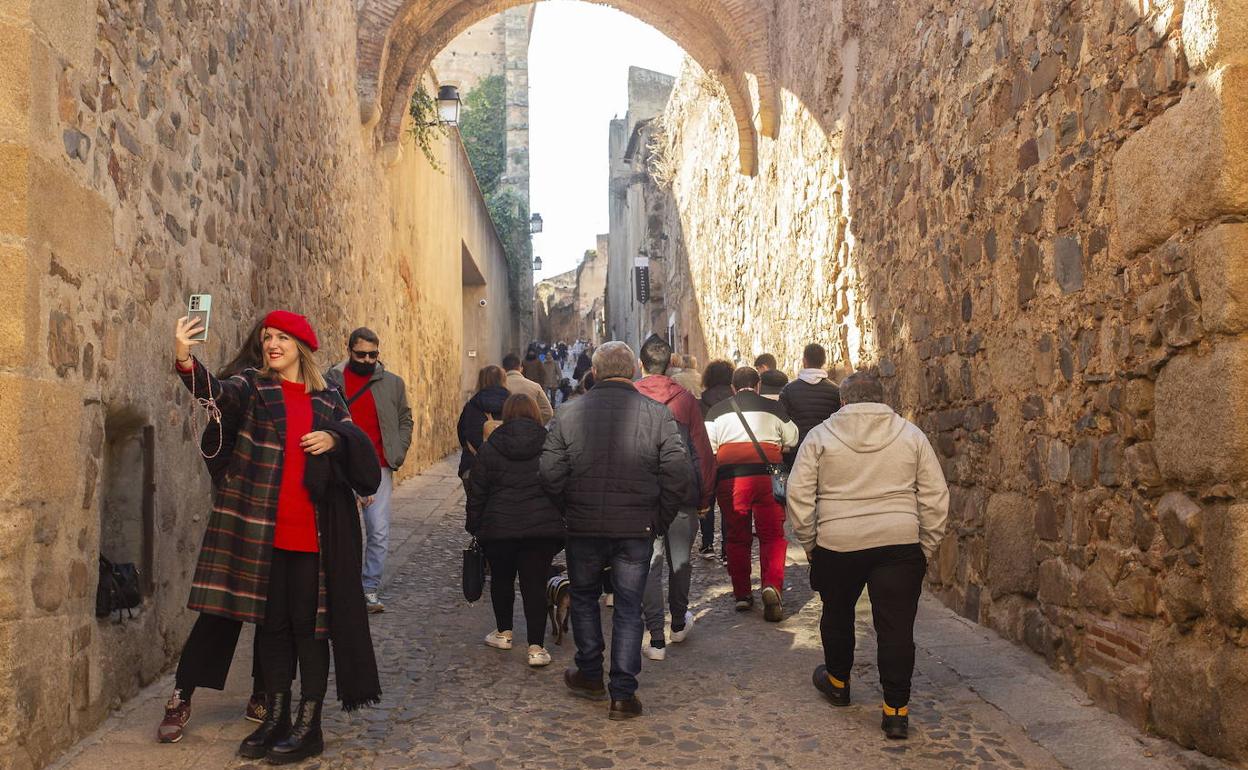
(893, 576)
(207, 655)
(529, 558)
(290, 620)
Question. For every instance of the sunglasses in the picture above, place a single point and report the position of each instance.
(373, 354)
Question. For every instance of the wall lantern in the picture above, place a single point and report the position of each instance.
(448, 105)
(535, 223)
(537, 264)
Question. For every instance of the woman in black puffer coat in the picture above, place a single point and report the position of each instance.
(519, 527)
(486, 404)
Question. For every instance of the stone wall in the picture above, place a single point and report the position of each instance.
(149, 150)
(1027, 216)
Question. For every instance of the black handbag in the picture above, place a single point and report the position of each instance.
(474, 571)
(118, 589)
(779, 476)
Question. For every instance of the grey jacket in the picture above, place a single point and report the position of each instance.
(393, 413)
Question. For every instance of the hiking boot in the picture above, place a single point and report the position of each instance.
(538, 656)
(177, 714)
(257, 708)
(836, 691)
(582, 686)
(500, 640)
(305, 739)
(372, 601)
(773, 610)
(629, 708)
(683, 633)
(896, 723)
(744, 604)
(275, 727)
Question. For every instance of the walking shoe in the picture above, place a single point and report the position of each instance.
(745, 603)
(652, 652)
(896, 723)
(836, 691)
(707, 552)
(629, 708)
(683, 633)
(373, 602)
(177, 714)
(276, 726)
(499, 639)
(305, 739)
(773, 610)
(257, 708)
(538, 656)
(582, 686)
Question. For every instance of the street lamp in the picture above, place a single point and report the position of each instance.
(448, 105)
(537, 264)
(535, 224)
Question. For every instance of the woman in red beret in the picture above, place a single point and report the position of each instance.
(283, 542)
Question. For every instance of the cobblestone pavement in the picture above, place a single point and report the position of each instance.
(735, 695)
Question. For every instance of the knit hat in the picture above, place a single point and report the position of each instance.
(293, 324)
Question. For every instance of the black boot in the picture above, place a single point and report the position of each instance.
(896, 723)
(275, 727)
(305, 739)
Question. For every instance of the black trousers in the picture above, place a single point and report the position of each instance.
(208, 653)
(893, 576)
(290, 622)
(529, 558)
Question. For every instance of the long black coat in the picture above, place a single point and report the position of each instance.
(506, 500)
(615, 463)
(472, 421)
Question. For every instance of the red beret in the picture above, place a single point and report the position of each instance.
(293, 324)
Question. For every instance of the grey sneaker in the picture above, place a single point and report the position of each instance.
(373, 602)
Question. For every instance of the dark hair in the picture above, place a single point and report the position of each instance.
(716, 373)
(531, 355)
(767, 360)
(363, 333)
(745, 377)
(863, 386)
(511, 361)
(656, 355)
(519, 406)
(491, 377)
(249, 356)
(814, 356)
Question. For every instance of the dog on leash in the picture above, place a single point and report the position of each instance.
(558, 601)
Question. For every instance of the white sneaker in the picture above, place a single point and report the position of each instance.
(538, 656)
(653, 653)
(682, 634)
(499, 639)
(610, 600)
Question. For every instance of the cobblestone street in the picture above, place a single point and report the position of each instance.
(736, 694)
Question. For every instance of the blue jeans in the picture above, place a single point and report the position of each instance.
(629, 559)
(377, 532)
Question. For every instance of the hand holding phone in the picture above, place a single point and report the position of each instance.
(199, 308)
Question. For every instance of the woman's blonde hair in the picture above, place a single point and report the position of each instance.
(309, 369)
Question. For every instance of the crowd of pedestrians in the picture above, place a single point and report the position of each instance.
(618, 459)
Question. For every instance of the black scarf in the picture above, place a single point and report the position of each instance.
(333, 479)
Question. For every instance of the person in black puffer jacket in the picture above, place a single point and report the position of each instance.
(811, 398)
(486, 403)
(517, 523)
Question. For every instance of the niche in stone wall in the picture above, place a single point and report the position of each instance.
(127, 502)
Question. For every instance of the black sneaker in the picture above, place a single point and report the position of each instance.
(629, 708)
(837, 696)
(582, 686)
(896, 725)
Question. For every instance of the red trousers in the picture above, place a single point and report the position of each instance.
(742, 500)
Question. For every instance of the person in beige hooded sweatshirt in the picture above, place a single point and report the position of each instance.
(867, 500)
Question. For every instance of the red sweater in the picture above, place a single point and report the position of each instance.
(364, 411)
(296, 516)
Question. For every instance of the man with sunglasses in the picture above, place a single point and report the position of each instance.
(377, 400)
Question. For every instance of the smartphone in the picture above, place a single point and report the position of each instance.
(200, 307)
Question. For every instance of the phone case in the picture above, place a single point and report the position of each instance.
(200, 306)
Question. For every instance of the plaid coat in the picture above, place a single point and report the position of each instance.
(232, 574)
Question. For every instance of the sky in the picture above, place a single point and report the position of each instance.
(579, 57)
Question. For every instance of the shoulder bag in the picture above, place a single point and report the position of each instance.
(779, 476)
(474, 571)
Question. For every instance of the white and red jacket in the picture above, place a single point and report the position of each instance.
(734, 452)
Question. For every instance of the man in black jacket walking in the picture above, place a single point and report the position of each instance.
(616, 466)
(812, 397)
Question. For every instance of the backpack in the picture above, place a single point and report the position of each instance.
(118, 589)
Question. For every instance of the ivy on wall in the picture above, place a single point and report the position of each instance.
(425, 126)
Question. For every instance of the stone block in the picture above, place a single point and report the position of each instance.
(38, 433)
(19, 313)
(14, 189)
(1199, 689)
(1214, 32)
(1220, 256)
(1187, 166)
(1183, 597)
(14, 82)
(84, 245)
(70, 27)
(1057, 583)
(1011, 544)
(1179, 517)
(1201, 416)
(1226, 551)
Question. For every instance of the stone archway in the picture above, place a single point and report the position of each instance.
(397, 40)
